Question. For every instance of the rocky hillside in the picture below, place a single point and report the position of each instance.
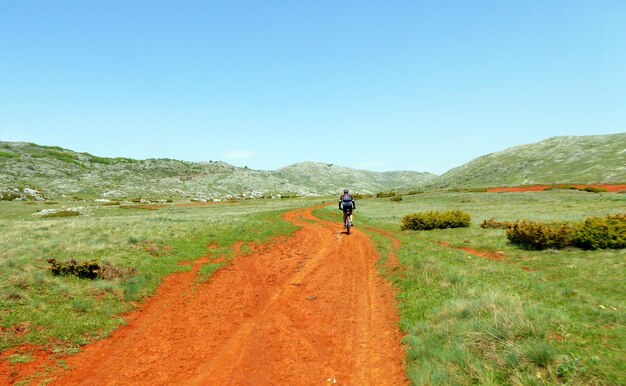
(583, 159)
(58, 171)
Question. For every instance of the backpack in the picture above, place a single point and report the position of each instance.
(346, 201)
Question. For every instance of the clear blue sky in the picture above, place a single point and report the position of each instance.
(380, 85)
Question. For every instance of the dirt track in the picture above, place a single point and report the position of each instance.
(537, 188)
(308, 310)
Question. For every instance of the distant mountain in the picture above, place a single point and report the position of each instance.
(327, 177)
(58, 171)
(582, 159)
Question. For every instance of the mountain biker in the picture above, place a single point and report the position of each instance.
(347, 204)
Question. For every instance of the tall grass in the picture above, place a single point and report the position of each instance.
(532, 317)
(68, 311)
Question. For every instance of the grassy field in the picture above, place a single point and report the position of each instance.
(531, 317)
(64, 312)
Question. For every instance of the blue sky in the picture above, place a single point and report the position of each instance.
(380, 85)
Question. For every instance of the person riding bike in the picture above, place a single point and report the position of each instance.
(347, 204)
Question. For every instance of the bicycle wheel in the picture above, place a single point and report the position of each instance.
(348, 224)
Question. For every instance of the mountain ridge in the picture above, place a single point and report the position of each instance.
(555, 160)
(62, 171)
(596, 159)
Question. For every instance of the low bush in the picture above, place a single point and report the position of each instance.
(84, 270)
(385, 194)
(539, 235)
(493, 224)
(89, 269)
(5, 154)
(9, 195)
(602, 233)
(594, 233)
(396, 198)
(61, 213)
(101, 160)
(561, 186)
(592, 189)
(62, 156)
(436, 220)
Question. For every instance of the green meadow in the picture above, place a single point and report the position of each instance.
(65, 312)
(528, 318)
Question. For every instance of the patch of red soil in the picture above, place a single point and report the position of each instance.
(474, 252)
(535, 188)
(39, 358)
(310, 309)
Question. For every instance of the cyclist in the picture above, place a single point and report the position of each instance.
(347, 204)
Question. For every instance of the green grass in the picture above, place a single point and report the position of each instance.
(535, 317)
(67, 312)
(62, 156)
(4, 154)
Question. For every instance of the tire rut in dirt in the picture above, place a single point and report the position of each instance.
(298, 311)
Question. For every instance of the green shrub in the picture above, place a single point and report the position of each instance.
(62, 213)
(602, 233)
(5, 154)
(561, 186)
(396, 198)
(84, 270)
(101, 160)
(385, 194)
(469, 190)
(9, 196)
(61, 156)
(592, 189)
(538, 235)
(436, 220)
(493, 224)
(89, 269)
(593, 233)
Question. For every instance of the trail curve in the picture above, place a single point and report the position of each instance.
(307, 310)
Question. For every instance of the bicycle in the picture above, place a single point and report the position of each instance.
(347, 223)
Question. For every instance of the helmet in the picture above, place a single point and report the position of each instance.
(346, 191)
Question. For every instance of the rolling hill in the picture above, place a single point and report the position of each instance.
(593, 159)
(58, 171)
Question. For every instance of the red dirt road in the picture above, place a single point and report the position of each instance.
(308, 310)
(538, 188)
